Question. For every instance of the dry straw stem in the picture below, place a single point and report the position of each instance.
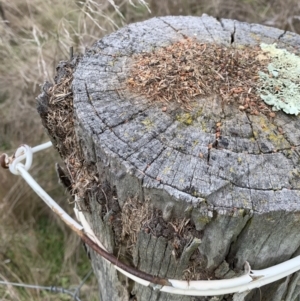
(34, 36)
(188, 70)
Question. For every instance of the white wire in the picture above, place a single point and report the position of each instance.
(17, 168)
(27, 154)
(258, 278)
(251, 279)
(268, 275)
(46, 197)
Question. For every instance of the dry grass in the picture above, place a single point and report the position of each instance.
(59, 122)
(34, 35)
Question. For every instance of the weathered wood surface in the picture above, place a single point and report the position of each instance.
(241, 197)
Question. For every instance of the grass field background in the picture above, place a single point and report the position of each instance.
(35, 247)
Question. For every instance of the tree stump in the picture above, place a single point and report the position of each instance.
(182, 172)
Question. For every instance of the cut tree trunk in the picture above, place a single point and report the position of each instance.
(184, 190)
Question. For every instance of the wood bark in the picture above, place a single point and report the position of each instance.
(154, 198)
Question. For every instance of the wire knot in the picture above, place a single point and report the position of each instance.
(23, 152)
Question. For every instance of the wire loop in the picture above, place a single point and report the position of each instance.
(23, 152)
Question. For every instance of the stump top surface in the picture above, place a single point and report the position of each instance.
(252, 163)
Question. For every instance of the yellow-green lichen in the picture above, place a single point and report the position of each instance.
(295, 172)
(203, 220)
(203, 126)
(280, 88)
(148, 123)
(185, 118)
(278, 140)
(271, 133)
(166, 170)
(189, 118)
(195, 194)
(194, 144)
(289, 154)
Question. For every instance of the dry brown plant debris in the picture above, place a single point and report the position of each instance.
(139, 216)
(134, 214)
(60, 123)
(187, 70)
